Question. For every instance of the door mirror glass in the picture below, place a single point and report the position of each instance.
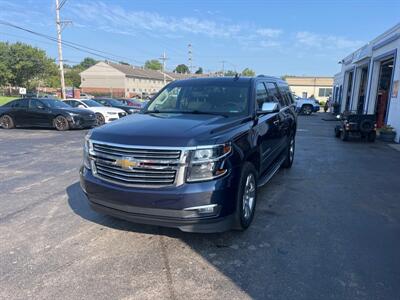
(269, 107)
(81, 106)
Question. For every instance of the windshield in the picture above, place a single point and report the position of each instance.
(114, 102)
(215, 98)
(55, 103)
(91, 103)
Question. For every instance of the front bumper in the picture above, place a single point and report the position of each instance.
(80, 122)
(166, 206)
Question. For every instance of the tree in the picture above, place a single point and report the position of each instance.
(248, 72)
(87, 62)
(230, 73)
(72, 77)
(153, 64)
(199, 71)
(26, 65)
(182, 68)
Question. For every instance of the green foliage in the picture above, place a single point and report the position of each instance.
(153, 64)
(182, 68)
(87, 62)
(199, 71)
(72, 78)
(24, 65)
(248, 72)
(230, 73)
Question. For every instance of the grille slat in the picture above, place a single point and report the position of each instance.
(156, 167)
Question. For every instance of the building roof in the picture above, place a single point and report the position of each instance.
(130, 71)
(309, 81)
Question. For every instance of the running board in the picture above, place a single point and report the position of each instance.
(271, 172)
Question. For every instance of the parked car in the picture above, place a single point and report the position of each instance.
(195, 156)
(133, 102)
(34, 112)
(103, 114)
(111, 102)
(306, 106)
(356, 125)
(86, 96)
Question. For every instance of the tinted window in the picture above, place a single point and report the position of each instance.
(261, 95)
(73, 103)
(207, 97)
(34, 103)
(274, 93)
(22, 103)
(286, 94)
(55, 104)
(92, 103)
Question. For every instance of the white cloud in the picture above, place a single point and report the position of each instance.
(319, 41)
(269, 32)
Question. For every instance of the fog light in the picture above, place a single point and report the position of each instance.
(202, 210)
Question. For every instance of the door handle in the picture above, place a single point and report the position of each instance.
(276, 122)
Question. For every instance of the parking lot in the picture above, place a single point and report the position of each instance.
(328, 228)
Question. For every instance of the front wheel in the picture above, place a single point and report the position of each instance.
(7, 122)
(307, 109)
(246, 197)
(100, 120)
(289, 154)
(61, 123)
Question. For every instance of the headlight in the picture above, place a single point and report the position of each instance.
(72, 116)
(87, 150)
(207, 163)
(131, 110)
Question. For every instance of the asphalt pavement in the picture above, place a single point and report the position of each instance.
(329, 228)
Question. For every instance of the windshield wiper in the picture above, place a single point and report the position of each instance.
(196, 112)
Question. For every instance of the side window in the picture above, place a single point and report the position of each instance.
(34, 103)
(274, 93)
(261, 94)
(23, 103)
(74, 103)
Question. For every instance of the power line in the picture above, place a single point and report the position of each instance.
(73, 45)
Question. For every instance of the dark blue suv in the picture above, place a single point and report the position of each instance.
(194, 157)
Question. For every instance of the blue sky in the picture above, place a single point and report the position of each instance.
(271, 37)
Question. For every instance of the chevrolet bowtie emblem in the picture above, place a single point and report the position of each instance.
(126, 163)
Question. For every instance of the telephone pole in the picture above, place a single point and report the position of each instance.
(59, 25)
(164, 58)
(190, 53)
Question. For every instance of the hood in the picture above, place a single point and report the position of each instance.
(166, 129)
(81, 111)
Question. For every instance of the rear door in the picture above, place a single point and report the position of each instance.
(281, 123)
(266, 129)
(20, 112)
(288, 112)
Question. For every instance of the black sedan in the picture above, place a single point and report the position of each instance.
(116, 103)
(34, 112)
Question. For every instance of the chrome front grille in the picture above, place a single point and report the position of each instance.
(136, 166)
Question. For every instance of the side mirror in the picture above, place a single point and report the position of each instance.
(41, 107)
(269, 107)
(337, 116)
(81, 106)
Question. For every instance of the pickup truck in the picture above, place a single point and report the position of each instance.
(195, 156)
(306, 106)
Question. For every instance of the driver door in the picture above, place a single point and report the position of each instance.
(38, 113)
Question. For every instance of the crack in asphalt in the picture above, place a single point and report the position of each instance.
(167, 267)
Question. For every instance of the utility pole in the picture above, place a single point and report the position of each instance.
(59, 25)
(164, 58)
(223, 67)
(190, 53)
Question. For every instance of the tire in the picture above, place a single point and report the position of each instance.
(366, 126)
(371, 136)
(337, 131)
(246, 197)
(100, 119)
(344, 135)
(307, 109)
(7, 122)
(60, 123)
(289, 153)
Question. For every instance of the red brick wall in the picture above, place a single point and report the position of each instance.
(115, 92)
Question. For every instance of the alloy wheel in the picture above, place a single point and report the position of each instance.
(249, 196)
(61, 123)
(5, 122)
